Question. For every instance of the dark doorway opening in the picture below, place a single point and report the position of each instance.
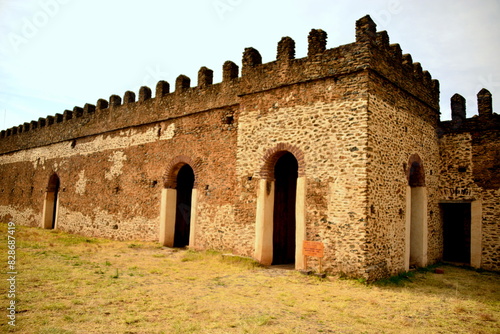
(456, 232)
(285, 173)
(185, 182)
(53, 193)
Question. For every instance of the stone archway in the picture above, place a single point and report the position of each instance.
(50, 203)
(179, 203)
(277, 194)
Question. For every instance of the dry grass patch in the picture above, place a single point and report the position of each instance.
(74, 284)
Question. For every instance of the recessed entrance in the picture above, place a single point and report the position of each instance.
(185, 182)
(280, 222)
(50, 203)
(285, 173)
(179, 200)
(456, 232)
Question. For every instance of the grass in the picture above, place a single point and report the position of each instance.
(73, 284)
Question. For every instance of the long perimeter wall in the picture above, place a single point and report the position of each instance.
(352, 116)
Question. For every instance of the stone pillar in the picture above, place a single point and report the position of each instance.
(167, 216)
(300, 222)
(193, 219)
(418, 229)
(264, 223)
(407, 229)
(476, 234)
(48, 209)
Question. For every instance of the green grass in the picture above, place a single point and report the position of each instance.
(73, 284)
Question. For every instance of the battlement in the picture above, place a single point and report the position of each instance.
(485, 120)
(337, 125)
(371, 51)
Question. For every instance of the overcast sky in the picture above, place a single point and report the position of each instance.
(57, 54)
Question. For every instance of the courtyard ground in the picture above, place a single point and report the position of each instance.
(72, 284)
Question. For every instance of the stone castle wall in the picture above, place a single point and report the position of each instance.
(352, 116)
(395, 134)
(111, 183)
(470, 169)
(328, 125)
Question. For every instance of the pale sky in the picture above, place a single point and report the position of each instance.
(57, 54)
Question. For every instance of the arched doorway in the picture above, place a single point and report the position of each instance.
(416, 215)
(284, 223)
(280, 222)
(185, 182)
(50, 203)
(179, 200)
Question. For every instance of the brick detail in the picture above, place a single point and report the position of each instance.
(170, 176)
(272, 156)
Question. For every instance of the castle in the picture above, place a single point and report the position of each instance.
(344, 146)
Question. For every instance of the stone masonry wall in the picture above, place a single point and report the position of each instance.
(470, 169)
(328, 125)
(111, 183)
(353, 114)
(396, 132)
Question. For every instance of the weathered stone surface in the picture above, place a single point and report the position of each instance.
(470, 171)
(358, 118)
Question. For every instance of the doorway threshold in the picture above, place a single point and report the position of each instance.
(290, 266)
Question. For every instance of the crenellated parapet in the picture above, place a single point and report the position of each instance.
(144, 93)
(484, 103)
(230, 71)
(486, 119)
(286, 49)
(370, 53)
(478, 140)
(205, 77)
(389, 61)
(317, 42)
(162, 89)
